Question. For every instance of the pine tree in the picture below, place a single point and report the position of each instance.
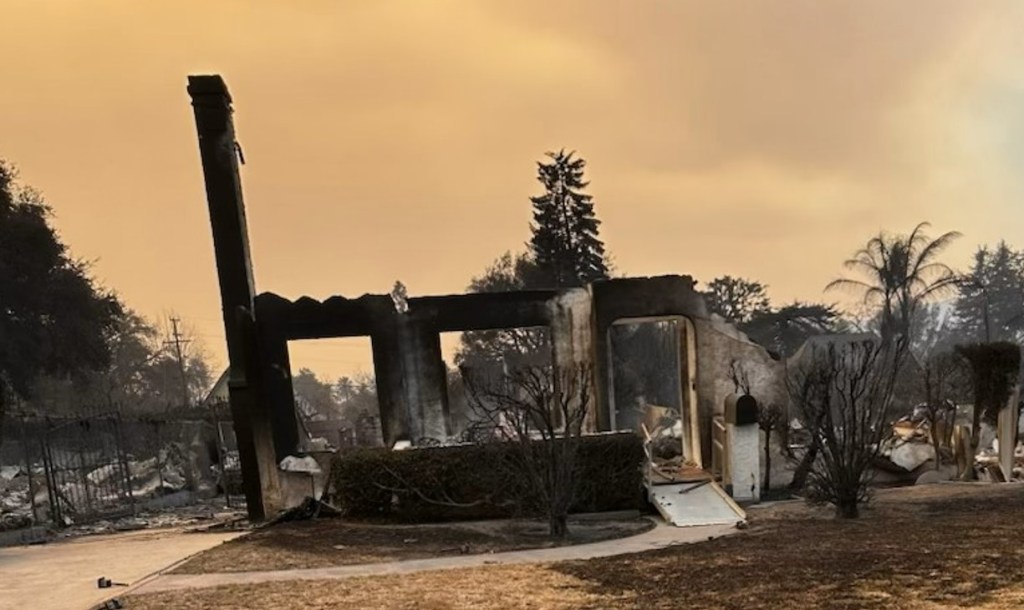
(991, 303)
(565, 244)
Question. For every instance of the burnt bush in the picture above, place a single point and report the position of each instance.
(479, 481)
(994, 371)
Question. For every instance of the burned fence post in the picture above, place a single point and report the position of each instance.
(28, 470)
(122, 462)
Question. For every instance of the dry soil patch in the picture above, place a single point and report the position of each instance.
(334, 542)
(946, 546)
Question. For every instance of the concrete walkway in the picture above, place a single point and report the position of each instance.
(661, 536)
(63, 574)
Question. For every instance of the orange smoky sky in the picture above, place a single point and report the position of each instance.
(392, 140)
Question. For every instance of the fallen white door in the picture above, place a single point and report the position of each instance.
(697, 503)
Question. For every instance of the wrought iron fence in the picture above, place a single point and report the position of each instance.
(77, 470)
(86, 470)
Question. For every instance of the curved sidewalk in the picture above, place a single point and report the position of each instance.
(661, 536)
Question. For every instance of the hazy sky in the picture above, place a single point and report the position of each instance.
(397, 140)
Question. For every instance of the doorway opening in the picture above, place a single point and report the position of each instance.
(652, 373)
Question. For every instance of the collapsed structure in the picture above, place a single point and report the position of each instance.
(409, 368)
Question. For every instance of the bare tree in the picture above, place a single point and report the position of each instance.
(541, 410)
(943, 376)
(994, 370)
(736, 299)
(846, 391)
(740, 377)
(769, 419)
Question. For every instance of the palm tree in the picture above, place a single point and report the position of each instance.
(901, 273)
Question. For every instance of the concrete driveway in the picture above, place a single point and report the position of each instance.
(62, 575)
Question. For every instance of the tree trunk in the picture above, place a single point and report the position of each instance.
(804, 468)
(936, 444)
(558, 526)
(972, 453)
(847, 508)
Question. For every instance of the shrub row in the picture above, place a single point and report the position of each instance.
(479, 481)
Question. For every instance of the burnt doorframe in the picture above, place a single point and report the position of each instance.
(687, 354)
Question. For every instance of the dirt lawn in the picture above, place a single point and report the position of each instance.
(923, 548)
(334, 542)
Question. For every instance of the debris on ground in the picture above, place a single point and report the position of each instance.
(15, 502)
(105, 583)
(167, 480)
(202, 514)
(911, 454)
(294, 463)
(310, 508)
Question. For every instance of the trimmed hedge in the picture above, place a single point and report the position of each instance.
(479, 481)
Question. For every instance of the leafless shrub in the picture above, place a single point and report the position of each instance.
(844, 393)
(943, 376)
(770, 418)
(542, 411)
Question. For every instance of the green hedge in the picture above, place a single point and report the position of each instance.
(482, 479)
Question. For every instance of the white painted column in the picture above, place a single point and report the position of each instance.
(743, 448)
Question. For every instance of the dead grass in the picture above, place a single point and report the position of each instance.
(916, 549)
(334, 542)
(486, 588)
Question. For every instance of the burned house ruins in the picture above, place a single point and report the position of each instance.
(409, 368)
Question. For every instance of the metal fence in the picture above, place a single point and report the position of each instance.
(77, 470)
(86, 470)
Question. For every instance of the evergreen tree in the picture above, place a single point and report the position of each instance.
(54, 319)
(482, 347)
(565, 244)
(736, 299)
(991, 302)
(785, 329)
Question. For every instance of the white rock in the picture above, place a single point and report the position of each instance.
(7, 473)
(400, 445)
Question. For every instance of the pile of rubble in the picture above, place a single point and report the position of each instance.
(911, 451)
(212, 512)
(988, 459)
(154, 481)
(15, 504)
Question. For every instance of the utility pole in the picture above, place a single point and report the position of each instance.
(177, 341)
